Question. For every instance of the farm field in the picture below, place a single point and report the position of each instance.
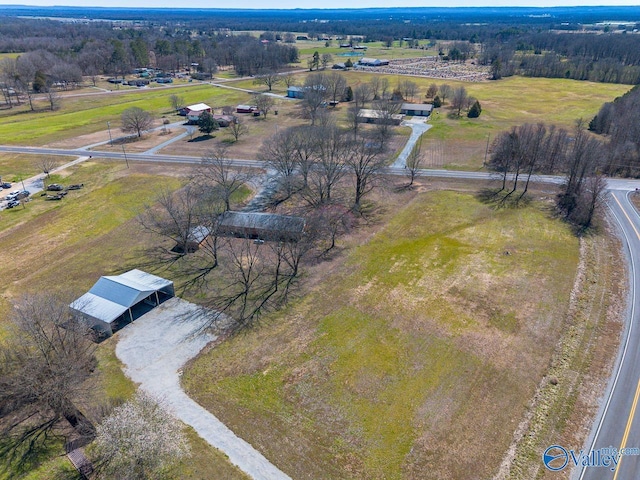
(413, 348)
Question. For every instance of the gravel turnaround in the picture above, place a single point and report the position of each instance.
(154, 348)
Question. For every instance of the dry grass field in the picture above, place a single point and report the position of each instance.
(415, 347)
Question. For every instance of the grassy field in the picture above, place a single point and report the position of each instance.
(14, 166)
(415, 347)
(505, 103)
(90, 113)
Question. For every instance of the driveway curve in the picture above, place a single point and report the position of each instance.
(418, 126)
(154, 348)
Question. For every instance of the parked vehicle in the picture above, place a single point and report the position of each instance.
(5, 185)
(13, 203)
(75, 186)
(55, 187)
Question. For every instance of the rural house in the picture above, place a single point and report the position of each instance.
(367, 115)
(194, 111)
(417, 109)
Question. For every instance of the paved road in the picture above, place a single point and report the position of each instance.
(616, 425)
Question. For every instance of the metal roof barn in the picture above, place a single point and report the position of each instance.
(261, 226)
(113, 301)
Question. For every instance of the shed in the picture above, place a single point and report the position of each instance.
(261, 226)
(195, 238)
(417, 109)
(295, 92)
(194, 111)
(114, 301)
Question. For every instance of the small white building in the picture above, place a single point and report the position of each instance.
(194, 111)
(113, 301)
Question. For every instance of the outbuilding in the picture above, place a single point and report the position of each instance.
(295, 92)
(417, 109)
(373, 62)
(116, 300)
(261, 226)
(246, 108)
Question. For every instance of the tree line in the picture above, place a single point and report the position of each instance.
(619, 123)
(536, 148)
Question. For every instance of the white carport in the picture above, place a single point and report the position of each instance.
(117, 299)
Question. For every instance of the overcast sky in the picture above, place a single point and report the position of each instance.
(258, 4)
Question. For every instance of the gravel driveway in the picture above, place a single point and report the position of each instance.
(154, 348)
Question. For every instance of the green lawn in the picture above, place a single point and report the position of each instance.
(86, 114)
(430, 338)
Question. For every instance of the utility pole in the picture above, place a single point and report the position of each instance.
(125, 156)
(109, 128)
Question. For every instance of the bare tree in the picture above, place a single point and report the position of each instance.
(174, 217)
(135, 120)
(216, 169)
(237, 128)
(140, 439)
(54, 99)
(326, 59)
(289, 79)
(328, 167)
(280, 153)
(408, 89)
(414, 161)
(47, 164)
(257, 279)
(365, 161)
(445, 91)
(268, 78)
(362, 95)
(43, 375)
(432, 91)
(306, 148)
(264, 103)
(385, 109)
(336, 85)
(26, 71)
(176, 101)
(315, 95)
(459, 99)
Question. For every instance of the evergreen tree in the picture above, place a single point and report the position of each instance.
(348, 95)
(437, 103)
(40, 82)
(206, 123)
(475, 110)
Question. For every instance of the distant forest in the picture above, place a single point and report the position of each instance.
(543, 42)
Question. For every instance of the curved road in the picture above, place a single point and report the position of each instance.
(616, 425)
